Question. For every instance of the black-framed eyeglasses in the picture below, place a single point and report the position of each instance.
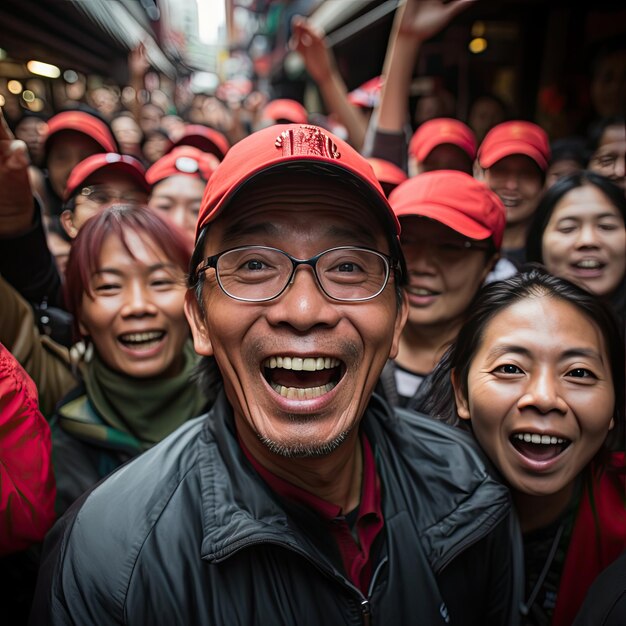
(261, 273)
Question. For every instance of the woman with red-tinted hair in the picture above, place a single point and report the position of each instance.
(125, 287)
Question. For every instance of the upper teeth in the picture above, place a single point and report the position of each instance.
(296, 363)
(421, 292)
(589, 263)
(535, 438)
(139, 337)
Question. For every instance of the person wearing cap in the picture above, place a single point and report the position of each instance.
(452, 227)
(442, 143)
(283, 111)
(299, 498)
(99, 181)
(178, 180)
(387, 173)
(25, 260)
(72, 136)
(204, 138)
(512, 160)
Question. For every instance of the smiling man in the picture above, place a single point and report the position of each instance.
(300, 498)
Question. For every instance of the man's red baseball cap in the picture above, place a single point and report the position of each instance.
(84, 123)
(285, 109)
(185, 160)
(455, 199)
(442, 130)
(109, 161)
(292, 147)
(515, 137)
(204, 138)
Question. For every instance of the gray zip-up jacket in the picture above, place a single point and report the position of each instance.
(189, 534)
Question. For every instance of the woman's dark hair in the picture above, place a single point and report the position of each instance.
(553, 196)
(598, 127)
(492, 299)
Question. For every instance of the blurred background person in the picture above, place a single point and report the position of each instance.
(452, 228)
(442, 143)
(177, 183)
(579, 233)
(607, 147)
(512, 160)
(567, 156)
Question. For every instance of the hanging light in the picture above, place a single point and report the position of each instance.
(43, 69)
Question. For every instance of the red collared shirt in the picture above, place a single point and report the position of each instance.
(355, 552)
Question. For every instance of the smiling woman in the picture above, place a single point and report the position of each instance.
(537, 374)
(579, 233)
(127, 383)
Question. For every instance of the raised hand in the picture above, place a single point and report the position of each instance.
(423, 19)
(16, 198)
(311, 44)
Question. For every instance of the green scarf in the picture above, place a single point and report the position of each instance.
(147, 408)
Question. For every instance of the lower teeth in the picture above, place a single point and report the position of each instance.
(298, 393)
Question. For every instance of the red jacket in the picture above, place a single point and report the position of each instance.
(27, 488)
(593, 546)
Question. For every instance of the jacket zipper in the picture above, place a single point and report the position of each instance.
(364, 603)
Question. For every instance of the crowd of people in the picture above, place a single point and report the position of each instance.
(264, 367)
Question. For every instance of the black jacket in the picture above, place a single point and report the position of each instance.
(188, 533)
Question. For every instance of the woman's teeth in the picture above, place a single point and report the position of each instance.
(546, 440)
(143, 340)
(589, 264)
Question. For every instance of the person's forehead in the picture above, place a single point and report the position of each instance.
(113, 179)
(516, 162)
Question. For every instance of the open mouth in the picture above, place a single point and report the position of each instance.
(589, 264)
(142, 341)
(510, 203)
(300, 378)
(539, 448)
(422, 291)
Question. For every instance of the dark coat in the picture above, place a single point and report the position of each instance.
(188, 533)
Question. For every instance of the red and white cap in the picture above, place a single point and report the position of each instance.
(109, 161)
(183, 160)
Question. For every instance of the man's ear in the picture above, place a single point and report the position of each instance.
(401, 317)
(67, 221)
(199, 330)
(462, 405)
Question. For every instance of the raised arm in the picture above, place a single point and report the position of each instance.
(415, 22)
(16, 199)
(320, 64)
